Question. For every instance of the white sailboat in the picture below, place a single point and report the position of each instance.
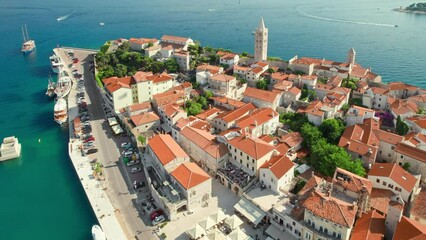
(97, 233)
(28, 45)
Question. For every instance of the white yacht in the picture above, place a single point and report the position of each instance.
(97, 233)
(61, 111)
(10, 149)
(55, 63)
(63, 86)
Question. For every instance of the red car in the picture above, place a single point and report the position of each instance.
(76, 60)
(91, 138)
(156, 214)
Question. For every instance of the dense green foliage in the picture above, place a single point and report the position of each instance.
(355, 101)
(345, 107)
(332, 129)
(401, 127)
(406, 166)
(295, 121)
(326, 156)
(307, 94)
(417, 7)
(350, 83)
(262, 84)
(124, 62)
(196, 106)
(142, 139)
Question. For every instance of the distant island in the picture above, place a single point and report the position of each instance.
(418, 8)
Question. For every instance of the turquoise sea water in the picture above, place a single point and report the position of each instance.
(41, 196)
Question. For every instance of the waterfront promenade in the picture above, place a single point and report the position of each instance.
(95, 190)
(120, 213)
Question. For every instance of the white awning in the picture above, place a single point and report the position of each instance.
(112, 121)
(117, 129)
(250, 211)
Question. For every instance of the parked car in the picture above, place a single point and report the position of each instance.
(91, 138)
(125, 144)
(156, 214)
(158, 220)
(136, 169)
(137, 185)
(75, 60)
(133, 162)
(92, 150)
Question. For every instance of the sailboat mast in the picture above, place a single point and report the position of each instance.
(26, 31)
(23, 34)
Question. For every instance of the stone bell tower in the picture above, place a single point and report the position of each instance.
(351, 56)
(261, 42)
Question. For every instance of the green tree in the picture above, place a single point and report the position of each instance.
(194, 108)
(202, 101)
(401, 127)
(271, 70)
(355, 101)
(142, 139)
(332, 129)
(244, 54)
(406, 166)
(310, 134)
(262, 84)
(326, 157)
(345, 107)
(208, 94)
(295, 121)
(171, 65)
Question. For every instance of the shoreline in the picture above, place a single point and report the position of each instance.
(403, 10)
(99, 200)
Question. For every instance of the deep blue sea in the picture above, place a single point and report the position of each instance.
(40, 194)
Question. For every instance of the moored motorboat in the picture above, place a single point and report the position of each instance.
(63, 86)
(60, 111)
(55, 63)
(97, 233)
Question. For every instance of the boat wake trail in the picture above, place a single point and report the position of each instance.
(345, 21)
(61, 18)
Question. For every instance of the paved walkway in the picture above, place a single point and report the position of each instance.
(101, 204)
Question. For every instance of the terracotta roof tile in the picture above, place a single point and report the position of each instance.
(418, 210)
(394, 172)
(263, 95)
(144, 118)
(212, 69)
(256, 118)
(279, 165)
(408, 229)
(255, 148)
(380, 198)
(331, 209)
(165, 148)
(190, 175)
(410, 151)
(400, 107)
(351, 181)
(115, 83)
(237, 113)
(222, 78)
(370, 226)
(225, 100)
(205, 141)
(292, 139)
(139, 106)
(418, 120)
(174, 38)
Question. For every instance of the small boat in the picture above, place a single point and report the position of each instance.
(10, 149)
(101, 23)
(55, 63)
(64, 17)
(28, 45)
(396, 25)
(97, 233)
(50, 87)
(60, 111)
(63, 86)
